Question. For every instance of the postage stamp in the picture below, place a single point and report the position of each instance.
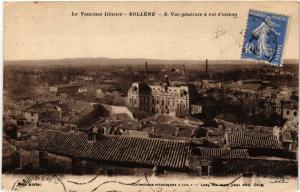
(265, 37)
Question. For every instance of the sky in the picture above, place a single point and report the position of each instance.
(47, 30)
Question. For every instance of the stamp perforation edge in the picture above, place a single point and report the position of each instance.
(286, 36)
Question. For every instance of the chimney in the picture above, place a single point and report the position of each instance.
(92, 137)
(167, 80)
(116, 130)
(226, 140)
(276, 132)
(146, 68)
(220, 126)
(176, 131)
(105, 131)
(206, 66)
(281, 109)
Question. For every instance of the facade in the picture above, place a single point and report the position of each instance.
(167, 100)
(248, 91)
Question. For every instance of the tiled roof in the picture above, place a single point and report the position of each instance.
(41, 108)
(250, 86)
(201, 155)
(169, 129)
(84, 118)
(142, 151)
(116, 110)
(222, 153)
(247, 139)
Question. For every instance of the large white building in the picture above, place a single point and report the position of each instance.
(161, 99)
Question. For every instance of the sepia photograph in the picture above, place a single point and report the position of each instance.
(150, 96)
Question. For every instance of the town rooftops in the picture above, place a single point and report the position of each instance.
(84, 119)
(202, 154)
(109, 88)
(251, 81)
(51, 99)
(290, 105)
(69, 86)
(250, 86)
(206, 152)
(188, 121)
(41, 108)
(115, 110)
(111, 148)
(252, 139)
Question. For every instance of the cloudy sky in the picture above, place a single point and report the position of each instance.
(48, 31)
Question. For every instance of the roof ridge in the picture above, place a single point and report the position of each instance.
(222, 148)
(110, 136)
(157, 139)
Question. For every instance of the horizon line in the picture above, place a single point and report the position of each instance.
(146, 59)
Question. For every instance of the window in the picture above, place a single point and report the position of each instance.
(134, 88)
(295, 113)
(287, 112)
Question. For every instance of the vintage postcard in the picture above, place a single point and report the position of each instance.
(150, 96)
